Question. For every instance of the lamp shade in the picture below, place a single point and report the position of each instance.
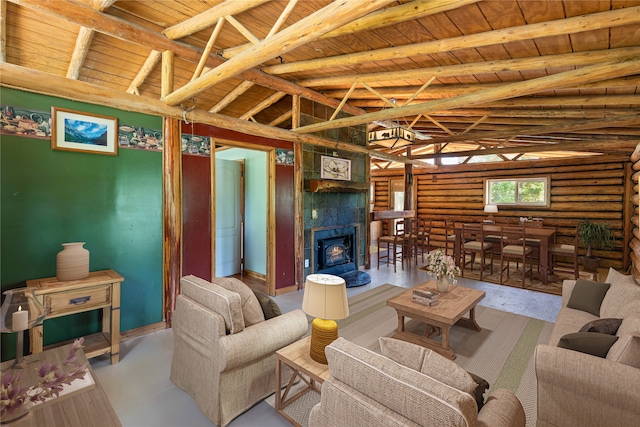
(491, 208)
(325, 296)
(20, 310)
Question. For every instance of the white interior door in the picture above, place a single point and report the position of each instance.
(228, 217)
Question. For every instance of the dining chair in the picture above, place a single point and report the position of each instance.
(395, 244)
(473, 243)
(515, 246)
(420, 237)
(450, 234)
(567, 251)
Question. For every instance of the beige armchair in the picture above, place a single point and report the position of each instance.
(224, 349)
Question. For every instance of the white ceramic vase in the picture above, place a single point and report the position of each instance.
(442, 284)
(72, 263)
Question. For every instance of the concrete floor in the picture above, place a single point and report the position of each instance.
(142, 395)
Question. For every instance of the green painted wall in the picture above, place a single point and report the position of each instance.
(113, 203)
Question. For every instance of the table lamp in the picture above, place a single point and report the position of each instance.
(19, 312)
(325, 298)
(491, 209)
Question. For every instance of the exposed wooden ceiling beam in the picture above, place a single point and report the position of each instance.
(145, 70)
(563, 146)
(242, 29)
(577, 24)
(3, 30)
(533, 101)
(575, 113)
(83, 15)
(555, 81)
(631, 120)
(231, 96)
(83, 41)
(335, 14)
(263, 105)
(382, 18)
(520, 64)
(447, 90)
(208, 48)
(30, 80)
(210, 17)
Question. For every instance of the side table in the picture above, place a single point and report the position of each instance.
(100, 290)
(296, 356)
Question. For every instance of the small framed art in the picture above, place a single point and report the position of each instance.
(83, 132)
(335, 168)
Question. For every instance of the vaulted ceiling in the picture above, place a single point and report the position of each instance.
(505, 78)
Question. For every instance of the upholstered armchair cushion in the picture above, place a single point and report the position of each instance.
(251, 309)
(428, 362)
(222, 301)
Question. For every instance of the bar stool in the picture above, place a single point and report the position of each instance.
(395, 244)
(420, 237)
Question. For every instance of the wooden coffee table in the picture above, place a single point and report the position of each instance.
(439, 318)
(296, 356)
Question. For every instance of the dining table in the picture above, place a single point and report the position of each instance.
(546, 236)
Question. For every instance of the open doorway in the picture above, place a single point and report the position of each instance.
(242, 213)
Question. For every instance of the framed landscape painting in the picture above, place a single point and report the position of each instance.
(83, 132)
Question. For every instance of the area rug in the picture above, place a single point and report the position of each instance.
(502, 353)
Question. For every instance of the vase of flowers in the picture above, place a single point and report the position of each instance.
(16, 401)
(443, 268)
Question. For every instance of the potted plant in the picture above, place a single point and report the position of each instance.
(595, 235)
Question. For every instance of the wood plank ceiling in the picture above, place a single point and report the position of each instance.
(507, 78)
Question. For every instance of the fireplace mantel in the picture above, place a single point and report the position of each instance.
(334, 186)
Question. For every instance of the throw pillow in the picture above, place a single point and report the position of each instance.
(604, 326)
(269, 306)
(587, 296)
(428, 362)
(593, 343)
(251, 309)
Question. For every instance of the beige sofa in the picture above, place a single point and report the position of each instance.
(406, 385)
(224, 349)
(579, 389)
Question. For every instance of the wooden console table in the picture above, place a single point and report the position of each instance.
(100, 290)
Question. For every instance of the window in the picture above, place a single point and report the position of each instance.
(518, 191)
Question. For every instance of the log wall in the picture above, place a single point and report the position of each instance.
(634, 242)
(599, 188)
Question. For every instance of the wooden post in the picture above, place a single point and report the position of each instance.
(298, 197)
(367, 220)
(171, 199)
(408, 191)
(171, 214)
